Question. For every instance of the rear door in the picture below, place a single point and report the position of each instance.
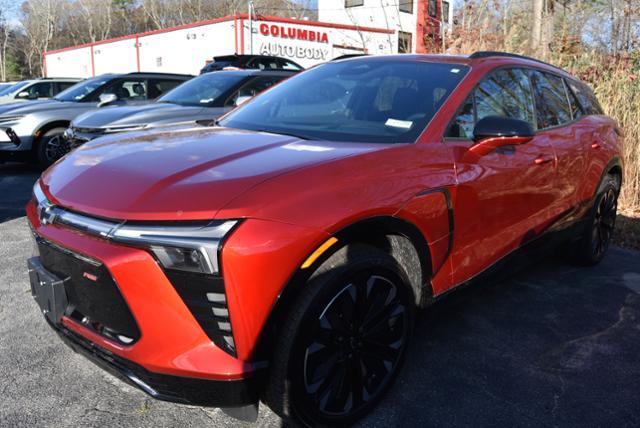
(557, 112)
(503, 199)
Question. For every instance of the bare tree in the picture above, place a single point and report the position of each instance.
(5, 9)
(40, 19)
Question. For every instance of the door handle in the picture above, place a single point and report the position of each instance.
(541, 160)
(595, 146)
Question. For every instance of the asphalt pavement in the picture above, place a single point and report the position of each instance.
(554, 345)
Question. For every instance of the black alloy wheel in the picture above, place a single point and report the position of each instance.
(352, 349)
(604, 223)
(51, 147)
(593, 243)
(343, 345)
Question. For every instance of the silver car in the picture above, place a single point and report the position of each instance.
(200, 100)
(36, 89)
(33, 130)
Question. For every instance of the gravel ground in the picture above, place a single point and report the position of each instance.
(554, 345)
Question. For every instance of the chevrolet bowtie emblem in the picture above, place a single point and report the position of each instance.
(46, 214)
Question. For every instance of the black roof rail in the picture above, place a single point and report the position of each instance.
(489, 54)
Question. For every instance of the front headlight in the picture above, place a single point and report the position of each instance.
(185, 247)
(124, 128)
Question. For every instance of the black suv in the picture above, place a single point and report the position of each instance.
(250, 62)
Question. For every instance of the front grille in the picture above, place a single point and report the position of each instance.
(94, 298)
(205, 297)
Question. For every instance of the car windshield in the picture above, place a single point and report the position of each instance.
(374, 100)
(204, 90)
(78, 92)
(12, 88)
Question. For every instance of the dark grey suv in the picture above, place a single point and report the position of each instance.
(200, 100)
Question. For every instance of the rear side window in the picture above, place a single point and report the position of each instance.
(287, 65)
(264, 63)
(586, 97)
(552, 104)
(576, 109)
(63, 86)
(504, 93)
(158, 87)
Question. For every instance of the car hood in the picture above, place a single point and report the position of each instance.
(155, 113)
(40, 106)
(188, 174)
(10, 107)
(10, 100)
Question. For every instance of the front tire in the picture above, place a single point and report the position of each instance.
(342, 345)
(596, 237)
(51, 147)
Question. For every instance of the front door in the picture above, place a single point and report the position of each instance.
(505, 198)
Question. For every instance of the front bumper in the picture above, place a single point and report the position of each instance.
(184, 390)
(76, 137)
(171, 344)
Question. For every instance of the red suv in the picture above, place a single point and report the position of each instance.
(281, 255)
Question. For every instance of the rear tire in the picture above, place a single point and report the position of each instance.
(596, 236)
(51, 147)
(342, 345)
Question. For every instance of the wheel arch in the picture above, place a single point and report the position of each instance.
(399, 238)
(46, 127)
(613, 167)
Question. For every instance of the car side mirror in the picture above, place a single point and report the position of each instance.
(26, 95)
(106, 99)
(242, 99)
(492, 132)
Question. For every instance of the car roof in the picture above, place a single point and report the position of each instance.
(148, 74)
(244, 56)
(60, 79)
(477, 58)
(265, 72)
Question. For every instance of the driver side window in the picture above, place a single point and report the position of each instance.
(250, 90)
(504, 93)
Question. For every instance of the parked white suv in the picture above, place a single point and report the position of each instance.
(37, 89)
(33, 131)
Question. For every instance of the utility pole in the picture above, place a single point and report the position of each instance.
(250, 27)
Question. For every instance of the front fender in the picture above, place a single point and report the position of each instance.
(258, 259)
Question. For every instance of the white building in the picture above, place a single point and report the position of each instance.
(187, 48)
(414, 21)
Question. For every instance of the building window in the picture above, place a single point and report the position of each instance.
(445, 11)
(433, 9)
(353, 3)
(406, 6)
(404, 42)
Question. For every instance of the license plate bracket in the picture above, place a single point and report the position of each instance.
(48, 291)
